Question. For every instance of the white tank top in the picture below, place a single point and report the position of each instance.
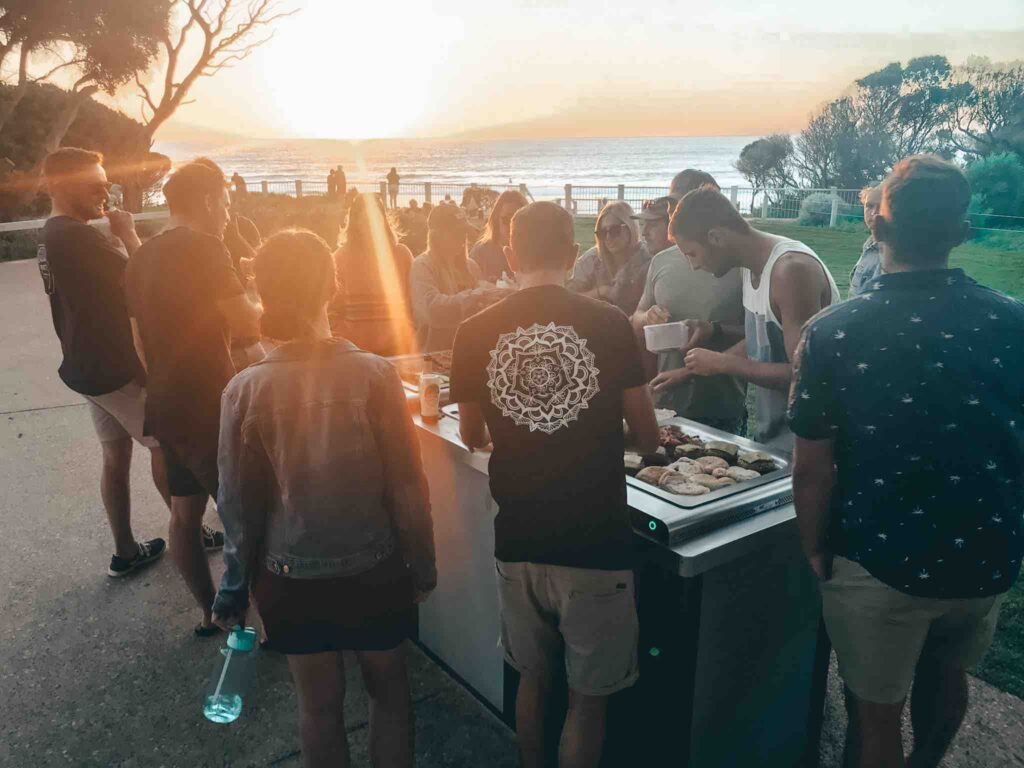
(766, 344)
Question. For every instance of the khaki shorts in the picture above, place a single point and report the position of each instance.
(590, 614)
(120, 415)
(880, 633)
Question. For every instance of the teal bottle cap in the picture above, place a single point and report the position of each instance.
(242, 639)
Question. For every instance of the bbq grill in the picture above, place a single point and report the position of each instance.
(669, 518)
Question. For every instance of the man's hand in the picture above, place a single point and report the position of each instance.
(821, 564)
(122, 225)
(656, 316)
(245, 266)
(699, 334)
(670, 380)
(704, 362)
(229, 622)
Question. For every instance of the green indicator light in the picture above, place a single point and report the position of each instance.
(655, 652)
(652, 525)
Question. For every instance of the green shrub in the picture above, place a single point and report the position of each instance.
(1004, 240)
(816, 209)
(997, 183)
(18, 245)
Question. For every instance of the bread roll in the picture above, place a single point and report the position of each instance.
(652, 474)
(710, 463)
(739, 474)
(680, 485)
(713, 483)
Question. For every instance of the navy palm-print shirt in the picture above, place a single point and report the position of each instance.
(920, 382)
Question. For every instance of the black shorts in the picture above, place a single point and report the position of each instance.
(371, 611)
(190, 472)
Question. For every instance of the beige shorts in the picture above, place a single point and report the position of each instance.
(880, 633)
(120, 415)
(590, 614)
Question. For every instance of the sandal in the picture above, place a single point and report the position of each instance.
(210, 631)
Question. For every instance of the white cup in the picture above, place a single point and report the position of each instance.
(666, 336)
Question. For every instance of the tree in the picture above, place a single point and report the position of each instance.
(834, 151)
(767, 162)
(227, 33)
(985, 111)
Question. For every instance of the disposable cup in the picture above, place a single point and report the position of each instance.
(666, 336)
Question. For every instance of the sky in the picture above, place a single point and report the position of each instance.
(532, 68)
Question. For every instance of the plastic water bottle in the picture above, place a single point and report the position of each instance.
(231, 680)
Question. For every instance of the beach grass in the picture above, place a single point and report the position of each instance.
(1003, 270)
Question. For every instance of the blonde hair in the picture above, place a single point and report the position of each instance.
(871, 193)
(622, 212)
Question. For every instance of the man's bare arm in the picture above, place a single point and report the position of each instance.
(137, 339)
(813, 481)
(472, 426)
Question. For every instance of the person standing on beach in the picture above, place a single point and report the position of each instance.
(83, 276)
(187, 302)
(393, 179)
(785, 283)
(340, 182)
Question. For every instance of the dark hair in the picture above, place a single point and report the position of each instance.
(542, 233)
(513, 196)
(702, 210)
(189, 186)
(68, 161)
(208, 163)
(686, 181)
(358, 231)
(295, 277)
(925, 199)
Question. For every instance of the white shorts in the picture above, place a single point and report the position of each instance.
(120, 414)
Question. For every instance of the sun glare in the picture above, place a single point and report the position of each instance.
(347, 71)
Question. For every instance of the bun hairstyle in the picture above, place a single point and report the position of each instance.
(295, 277)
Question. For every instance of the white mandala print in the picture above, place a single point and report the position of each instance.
(542, 377)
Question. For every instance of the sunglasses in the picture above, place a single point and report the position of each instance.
(613, 231)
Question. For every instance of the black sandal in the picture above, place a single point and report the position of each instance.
(210, 631)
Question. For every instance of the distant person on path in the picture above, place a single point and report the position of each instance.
(341, 183)
(869, 265)
(393, 179)
(489, 251)
(907, 407)
(785, 283)
(614, 270)
(327, 509)
(444, 283)
(83, 275)
(187, 301)
(562, 537)
(240, 186)
(332, 184)
(673, 292)
(372, 308)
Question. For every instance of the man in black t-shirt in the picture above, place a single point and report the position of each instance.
(548, 376)
(186, 303)
(83, 275)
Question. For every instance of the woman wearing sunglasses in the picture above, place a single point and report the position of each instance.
(614, 270)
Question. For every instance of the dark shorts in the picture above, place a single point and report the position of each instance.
(371, 611)
(190, 472)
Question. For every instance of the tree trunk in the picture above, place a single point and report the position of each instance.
(7, 108)
(66, 118)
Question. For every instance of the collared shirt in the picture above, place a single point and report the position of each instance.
(626, 286)
(867, 268)
(920, 381)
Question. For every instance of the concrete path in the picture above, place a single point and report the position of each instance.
(98, 672)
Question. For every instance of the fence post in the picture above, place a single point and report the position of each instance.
(764, 204)
(264, 187)
(734, 196)
(622, 192)
(568, 197)
(298, 188)
(835, 207)
(426, 193)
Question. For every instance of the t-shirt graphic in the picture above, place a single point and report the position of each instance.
(542, 377)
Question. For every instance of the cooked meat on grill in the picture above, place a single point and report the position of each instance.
(652, 474)
(739, 474)
(758, 461)
(722, 450)
(679, 484)
(712, 462)
(714, 483)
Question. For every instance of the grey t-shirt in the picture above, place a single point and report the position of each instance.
(688, 294)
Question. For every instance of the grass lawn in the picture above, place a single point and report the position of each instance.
(1003, 667)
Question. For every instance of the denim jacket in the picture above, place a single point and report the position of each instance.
(320, 471)
(867, 269)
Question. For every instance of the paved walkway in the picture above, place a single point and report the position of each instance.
(97, 672)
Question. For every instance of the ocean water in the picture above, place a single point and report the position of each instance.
(544, 165)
